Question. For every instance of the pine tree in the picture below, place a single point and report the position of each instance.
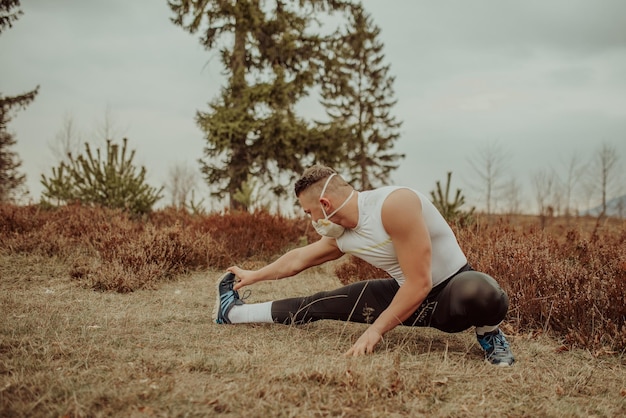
(111, 181)
(267, 53)
(9, 12)
(357, 93)
(451, 210)
(11, 180)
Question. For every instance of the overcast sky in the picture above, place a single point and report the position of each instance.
(544, 80)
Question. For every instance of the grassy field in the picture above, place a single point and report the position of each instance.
(69, 351)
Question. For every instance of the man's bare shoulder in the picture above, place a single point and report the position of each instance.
(400, 208)
(402, 199)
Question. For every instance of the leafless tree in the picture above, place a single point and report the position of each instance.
(574, 171)
(604, 174)
(490, 163)
(181, 181)
(108, 128)
(512, 196)
(68, 140)
(620, 207)
(544, 182)
(588, 190)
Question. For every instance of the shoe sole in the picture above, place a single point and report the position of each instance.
(216, 306)
(502, 364)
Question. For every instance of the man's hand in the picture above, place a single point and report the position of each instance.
(365, 344)
(246, 277)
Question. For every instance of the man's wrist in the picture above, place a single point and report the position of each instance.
(377, 329)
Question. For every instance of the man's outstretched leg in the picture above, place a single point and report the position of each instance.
(358, 302)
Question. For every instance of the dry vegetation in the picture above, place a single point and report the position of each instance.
(110, 250)
(569, 280)
(144, 344)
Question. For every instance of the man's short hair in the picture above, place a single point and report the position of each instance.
(311, 176)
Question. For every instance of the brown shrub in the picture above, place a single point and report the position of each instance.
(572, 284)
(355, 269)
(111, 250)
(130, 262)
(569, 280)
(241, 236)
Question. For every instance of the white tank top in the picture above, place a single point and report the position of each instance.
(369, 240)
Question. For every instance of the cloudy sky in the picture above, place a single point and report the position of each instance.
(543, 80)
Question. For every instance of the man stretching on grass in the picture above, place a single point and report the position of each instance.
(393, 228)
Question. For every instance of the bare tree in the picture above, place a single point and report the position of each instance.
(557, 199)
(544, 183)
(180, 183)
(68, 140)
(604, 173)
(588, 190)
(490, 163)
(108, 128)
(574, 172)
(620, 207)
(512, 196)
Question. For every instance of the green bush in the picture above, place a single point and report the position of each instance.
(111, 182)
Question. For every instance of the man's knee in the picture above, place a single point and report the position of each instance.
(482, 292)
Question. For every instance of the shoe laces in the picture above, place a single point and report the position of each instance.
(246, 294)
(498, 342)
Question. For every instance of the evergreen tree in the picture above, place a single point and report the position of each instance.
(451, 209)
(9, 12)
(10, 178)
(112, 181)
(357, 93)
(267, 53)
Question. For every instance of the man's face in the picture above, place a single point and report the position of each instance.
(310, 202)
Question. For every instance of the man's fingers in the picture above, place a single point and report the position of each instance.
(355, 351)
(351, 352)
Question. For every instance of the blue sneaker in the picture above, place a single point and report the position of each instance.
(226, 298)
(497, 350)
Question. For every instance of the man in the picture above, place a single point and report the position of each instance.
(393, 228)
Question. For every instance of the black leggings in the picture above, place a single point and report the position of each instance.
(469, 298)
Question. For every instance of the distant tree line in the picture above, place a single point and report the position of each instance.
(563, 189)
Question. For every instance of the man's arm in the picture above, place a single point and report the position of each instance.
(403, 221)
(290, 263)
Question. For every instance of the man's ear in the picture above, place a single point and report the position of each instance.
(325, 203)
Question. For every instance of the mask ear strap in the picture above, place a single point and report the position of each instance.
(345, 202)
(324, 191)
(326, 184)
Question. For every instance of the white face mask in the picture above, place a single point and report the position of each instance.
(324, 226)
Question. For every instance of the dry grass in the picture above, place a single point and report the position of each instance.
(69, 351)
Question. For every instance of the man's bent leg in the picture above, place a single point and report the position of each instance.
(471, 298)
(358, 302)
